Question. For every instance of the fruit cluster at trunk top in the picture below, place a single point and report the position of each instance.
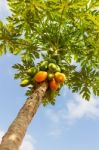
(45, 71)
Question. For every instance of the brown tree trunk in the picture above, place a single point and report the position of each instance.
(16, 132)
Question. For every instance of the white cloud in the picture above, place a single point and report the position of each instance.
(78, 108)
(75, 109)
(1, 134)
(28, 142)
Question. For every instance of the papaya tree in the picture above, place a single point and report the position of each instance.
(58, 33)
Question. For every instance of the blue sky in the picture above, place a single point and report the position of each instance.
(72, 124)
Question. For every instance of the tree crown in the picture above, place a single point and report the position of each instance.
(59, 32)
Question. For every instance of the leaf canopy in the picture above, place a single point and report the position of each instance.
(59, 31)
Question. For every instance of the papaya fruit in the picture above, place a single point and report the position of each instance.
(44, 65)
(58, 69)
(50, 76)
(54, 68)
(40, 76)
(53, 85)
(31, 71)
(25, 82)
(60, 77)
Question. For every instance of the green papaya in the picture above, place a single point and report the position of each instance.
(31, 71)
(50, 76)
(43, 65)
(54, 68)
(25, 82)
(58, 69)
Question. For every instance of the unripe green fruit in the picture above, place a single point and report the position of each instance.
(25, 82)
(50, 76)
(31, 71)
(58, 69)
(44, 65)
(54, 68)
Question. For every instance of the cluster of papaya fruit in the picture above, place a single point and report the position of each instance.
(45, 71)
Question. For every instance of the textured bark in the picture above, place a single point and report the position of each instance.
(16, 132)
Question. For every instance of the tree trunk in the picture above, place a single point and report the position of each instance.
(16, 132)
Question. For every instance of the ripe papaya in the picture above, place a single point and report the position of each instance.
(31, 71)
(40, 76)
(25, 82)
(44, 65)
(50, 76)
(53, 85)
(60, 77)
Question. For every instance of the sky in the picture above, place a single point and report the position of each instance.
(71, 124)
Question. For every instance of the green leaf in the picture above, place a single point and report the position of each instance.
(65, 33)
